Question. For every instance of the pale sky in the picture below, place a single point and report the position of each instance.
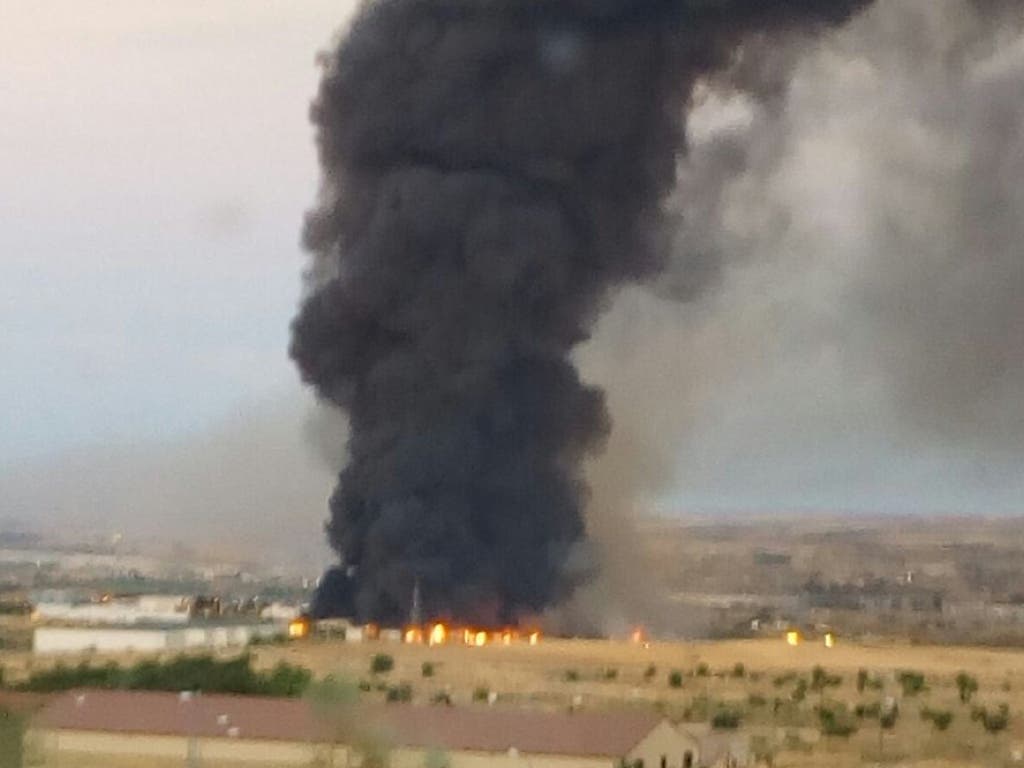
(156, 161)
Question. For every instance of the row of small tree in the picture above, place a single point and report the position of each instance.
(182, 673)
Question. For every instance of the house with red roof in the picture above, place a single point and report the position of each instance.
(85, 728)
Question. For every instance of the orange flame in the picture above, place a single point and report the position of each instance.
(438, 634)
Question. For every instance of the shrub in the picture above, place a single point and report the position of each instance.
(756, 700)
(820, 679)
(365, 686)
(400, 692)
(835, 721)
(442, 697)
(726, 719)
(702, 670)
(782, 680)
(868, 711)
(381, 663)
(675, 679)
(699, 709)
(182, 673)
(571, 676)
(739, 670)
(650, 672)
(912, 682)
(481, 693)
(862, 680)
(993, 722)
(940, 719)
(427, 669)
(966, 686)
(611, 673)
(800, 692)
(887, 718)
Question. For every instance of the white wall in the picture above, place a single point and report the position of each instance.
(77, 639)
(668, 742)
(115, 612)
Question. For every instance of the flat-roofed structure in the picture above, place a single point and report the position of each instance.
(155, 639)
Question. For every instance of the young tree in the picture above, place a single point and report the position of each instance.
(966, 686)
(333, 702)
(887, 718)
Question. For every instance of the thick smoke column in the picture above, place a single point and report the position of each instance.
(492, 171)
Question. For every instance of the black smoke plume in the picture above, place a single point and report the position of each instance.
(492, 171)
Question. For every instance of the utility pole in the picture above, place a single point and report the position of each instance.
(416, 612)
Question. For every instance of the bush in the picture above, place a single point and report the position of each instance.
(702, 670)
(993, 722)
(887, 718)
(400, 692)
(442, 697)
(726, 719)
(427, 669)
(739, 670)
(800, 692)
(480, 693)
(820, 679)
(675, 679)
(868, 711)
(940, 719)
(912, 682)
(381, 663)
(756, 700)
(835, 721)
(611, 673)
(571, 676)
(862, 680)
(365, 686)
(182, 673)
(966, 687)
(782, 680)
(650, 672)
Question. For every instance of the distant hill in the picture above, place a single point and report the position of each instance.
(252, 486)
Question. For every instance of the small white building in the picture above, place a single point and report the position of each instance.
(55, 640)
(144, 609)
(280, 612)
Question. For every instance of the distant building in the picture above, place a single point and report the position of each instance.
(56, 640)
(226, 730)
(140, 609)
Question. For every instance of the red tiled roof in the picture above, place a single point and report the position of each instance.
(482, 729)
(19, 702)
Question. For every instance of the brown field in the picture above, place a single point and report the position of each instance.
(537, 676)
(610, 674)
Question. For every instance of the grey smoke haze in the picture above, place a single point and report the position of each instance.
(250, 488)
(855, 209)
(808, 374)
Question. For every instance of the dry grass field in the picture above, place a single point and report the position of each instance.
(597, 674)
(560, 673)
